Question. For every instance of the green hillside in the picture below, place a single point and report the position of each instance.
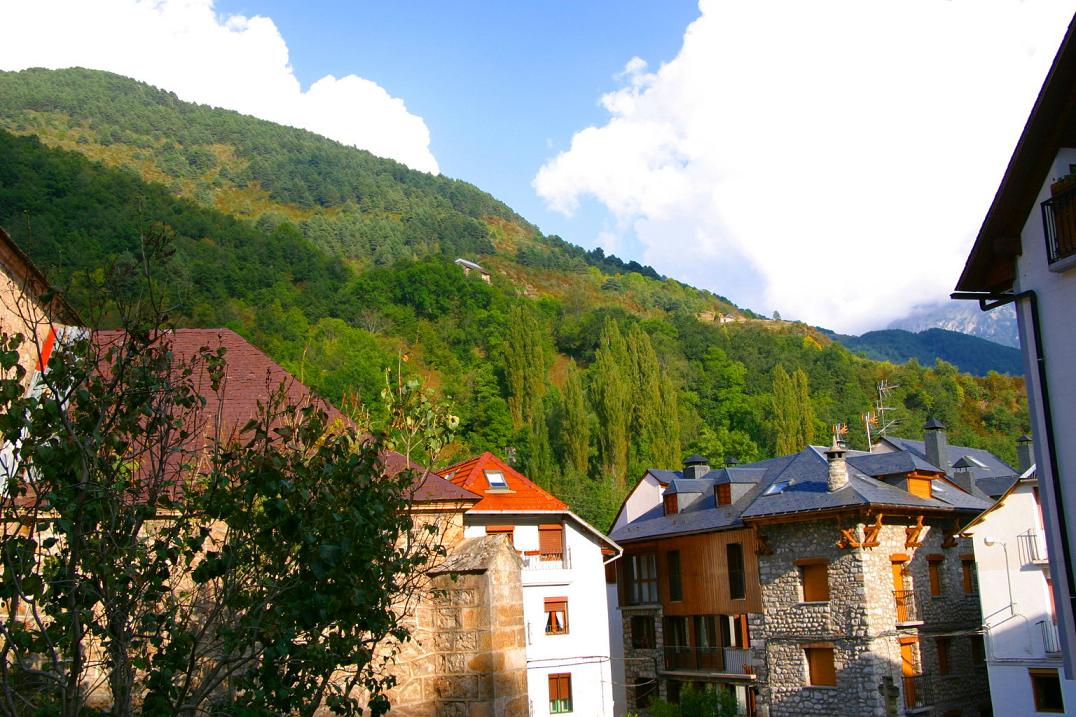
(337, 263)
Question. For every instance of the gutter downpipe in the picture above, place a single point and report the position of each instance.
(987, 302)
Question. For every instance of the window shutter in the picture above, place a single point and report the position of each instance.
(814, 573)
(724, 494)
(560, 687)
(551, 539)
(821, 666)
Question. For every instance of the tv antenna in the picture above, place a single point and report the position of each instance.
(877, 416)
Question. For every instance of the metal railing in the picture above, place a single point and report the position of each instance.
(1059, 225)
(548, 561)
(918, 691)
(1033, 547)
(907, 610)
(728, 660)
(1051, 641)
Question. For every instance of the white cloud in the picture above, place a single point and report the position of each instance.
(233, 61)
(832, 160)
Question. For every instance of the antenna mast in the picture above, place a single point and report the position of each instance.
(880, 408)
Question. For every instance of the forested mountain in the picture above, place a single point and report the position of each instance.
(968, 353)
(339, 264)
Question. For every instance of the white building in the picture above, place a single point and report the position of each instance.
(1025, 254)
(564, 586)
(1023, 651)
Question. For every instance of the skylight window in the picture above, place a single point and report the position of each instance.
(777, 487)
(495, 479)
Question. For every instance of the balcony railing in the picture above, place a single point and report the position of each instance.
(548, 561)
(1051, 641)
(918, 691)
(1059, 225)
(1033, 547)
(907, 610)
(728, 660)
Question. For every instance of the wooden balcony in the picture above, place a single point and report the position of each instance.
(723, 660)
(1059, 225)
(907, 608)
(918, 692)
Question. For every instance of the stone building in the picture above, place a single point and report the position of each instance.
(859, 596)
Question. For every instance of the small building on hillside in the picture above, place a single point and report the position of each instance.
(469, 266)
(563, 579)
(820, 583)
(1025, 254)
(1023, 648)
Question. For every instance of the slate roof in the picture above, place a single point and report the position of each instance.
(522, 494)
(689, 485)
(990, 465)
(996, 487)
(882, 464)
(250, 376)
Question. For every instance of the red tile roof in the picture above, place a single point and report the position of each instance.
(250, 376)
(522, 494)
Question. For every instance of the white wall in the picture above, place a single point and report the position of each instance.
(1056, 291)
(642, 498)
(1014, 639)
(584, 651)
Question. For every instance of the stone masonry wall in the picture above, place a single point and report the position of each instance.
(467, 657)
(860, 622)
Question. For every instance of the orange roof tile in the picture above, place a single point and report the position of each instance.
(521, 495)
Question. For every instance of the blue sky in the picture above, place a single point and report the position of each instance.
(501, 85)
(831, 160)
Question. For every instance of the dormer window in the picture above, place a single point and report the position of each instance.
(671, 504)
(496, 479)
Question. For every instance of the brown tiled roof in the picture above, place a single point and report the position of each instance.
(250, 376)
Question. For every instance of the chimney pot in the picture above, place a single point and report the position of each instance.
(1024, 454)
(838, 467)
(937, 444)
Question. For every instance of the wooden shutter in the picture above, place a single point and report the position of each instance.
(560, 687)
(551, 539)
(814, 572)
(821, 666)
(934, 568)
(967, 564)
(724, 494)
(943, 654)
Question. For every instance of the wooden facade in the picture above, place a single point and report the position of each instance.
(704, 573)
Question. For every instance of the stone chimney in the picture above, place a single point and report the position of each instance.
(962, 474)
(838, 468)
(731, 461)
(937, 444)
(696, 466)
(1024, 453)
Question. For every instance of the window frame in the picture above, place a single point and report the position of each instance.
(638, 588)
(934, 573)
(969, 575)
(642, 638)
(500, 484)
(821, 660)
(558, 703)
(819, 569)
(673, 578)
(552, 606)
(1037, 675)
(737, 578)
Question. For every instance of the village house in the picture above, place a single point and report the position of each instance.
(469, 266)
(819, 583)
(1025, 254)
(563, 585)
(1023, 649)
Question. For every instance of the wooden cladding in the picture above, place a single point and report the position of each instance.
(551, 539)
(709, 584)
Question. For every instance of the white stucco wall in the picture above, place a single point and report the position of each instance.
(584, 651)
(1014, 635)
(1056, 292)
(644, 496)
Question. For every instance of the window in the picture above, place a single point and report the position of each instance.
(502, 530)
(737, 584)
(676, 632)
(672, 689)
(978, 654)
(556, 616)
(646, 689)
(1046, 687)
(672, 567)
(495, 479)
(814, 578)
(724, 494)
(821, 670)
(934, 567)
(551, 541)
(777, 487)
(641, 579)
(971, 581)
(642, 632)
(560, 693)
(942, 644)
(670, 503)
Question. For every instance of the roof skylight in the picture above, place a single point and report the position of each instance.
(495, 479)
(777, 487)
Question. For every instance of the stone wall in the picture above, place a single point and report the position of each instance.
(860, 621)
(467, 656)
